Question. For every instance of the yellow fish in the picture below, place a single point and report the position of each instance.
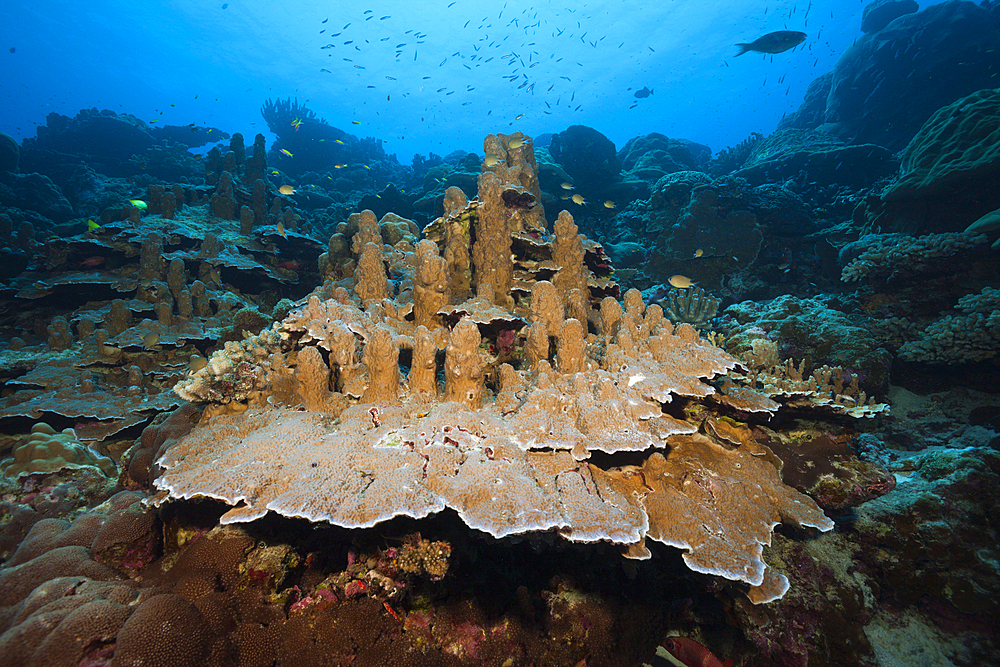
(281, 230)
(196, 362)
(566, 185)
(286, 190)
(680, 282)
(286, 152)
(609, 204)
(150, 339)
(519, 116)
(339, 166)
(491, 160)
(139, 204)
(699, 252)
(91, 225)
(515, 143)
(338, 141)
(579, 200)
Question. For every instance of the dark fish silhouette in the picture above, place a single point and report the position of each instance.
(645, 92)
(774, 42)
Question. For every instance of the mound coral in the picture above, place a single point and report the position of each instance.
(707, 221)
(959, 143)
(47, 451)
(807, 329)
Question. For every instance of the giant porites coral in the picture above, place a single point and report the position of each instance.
(352, 410)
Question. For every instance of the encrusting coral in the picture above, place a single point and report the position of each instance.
(234, 374)
(329, 421)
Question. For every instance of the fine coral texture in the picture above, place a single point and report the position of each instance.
(893, 255)
(510, 457)
(970, 337)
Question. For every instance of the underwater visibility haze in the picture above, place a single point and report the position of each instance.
(387, 68)
(500, 334)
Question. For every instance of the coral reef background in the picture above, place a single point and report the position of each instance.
(602, 383)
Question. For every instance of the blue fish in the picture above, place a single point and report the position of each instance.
(645, 92)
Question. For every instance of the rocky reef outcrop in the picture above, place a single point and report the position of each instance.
(927, 58)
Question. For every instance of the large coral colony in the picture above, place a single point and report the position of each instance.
(458, 431)
(490, 369)
(506, 441)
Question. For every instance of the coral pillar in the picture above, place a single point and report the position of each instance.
(381, 357)
(430, 285)
(313, 377)
(423, 368)
(491, 252)
(463, 366)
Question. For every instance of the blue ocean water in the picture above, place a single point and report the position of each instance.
(424, 76)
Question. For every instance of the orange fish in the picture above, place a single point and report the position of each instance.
(693, 654)
(92, 261)
(291, 265)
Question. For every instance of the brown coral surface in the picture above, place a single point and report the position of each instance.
(508, 464)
